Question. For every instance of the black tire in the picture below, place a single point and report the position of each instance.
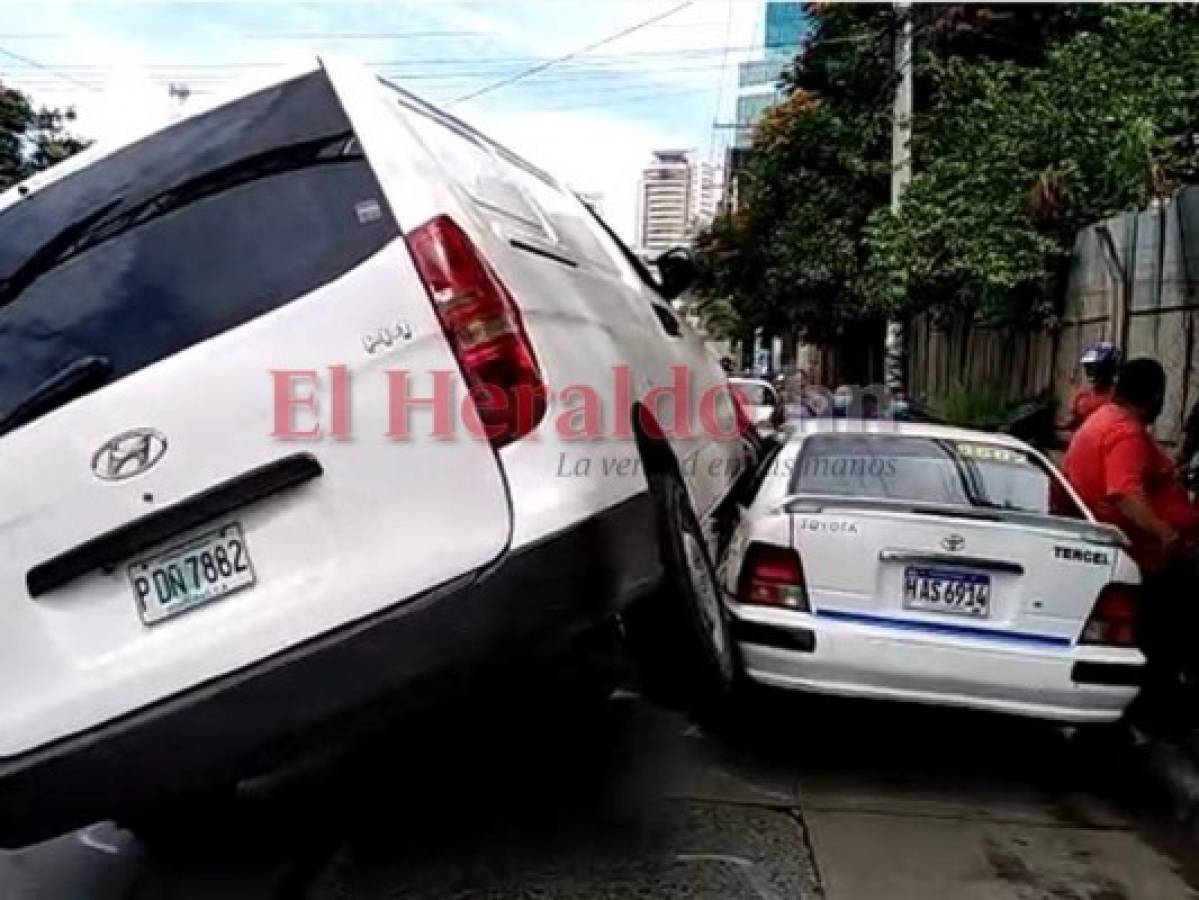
(679, 635)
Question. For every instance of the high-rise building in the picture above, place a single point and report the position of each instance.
(758, 80)
(705, 198)
(785, 28)
(676, 197)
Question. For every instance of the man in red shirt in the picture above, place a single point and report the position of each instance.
(1125, 478)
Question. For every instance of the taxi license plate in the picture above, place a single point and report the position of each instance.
(197, 571)
(947, 591)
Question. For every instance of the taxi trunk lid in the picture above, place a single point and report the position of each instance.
(945, 532)
(1005, 579)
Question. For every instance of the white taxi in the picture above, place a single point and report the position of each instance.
(935, 565)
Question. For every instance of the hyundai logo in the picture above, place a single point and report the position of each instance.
(129, 454)
(953, 543)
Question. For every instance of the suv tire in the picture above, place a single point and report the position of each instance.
(679, 634)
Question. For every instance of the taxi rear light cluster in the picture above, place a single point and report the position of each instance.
(484, 328)
(773, 576)
(1113, 622)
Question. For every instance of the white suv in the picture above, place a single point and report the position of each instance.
(365, 395)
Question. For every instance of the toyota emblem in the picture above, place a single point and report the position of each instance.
(129, 454)
(953, 543)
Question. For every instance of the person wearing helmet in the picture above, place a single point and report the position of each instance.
(1100, 363)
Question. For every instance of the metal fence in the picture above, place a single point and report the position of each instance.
(1134, 279)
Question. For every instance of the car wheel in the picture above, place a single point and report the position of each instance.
(679, 635)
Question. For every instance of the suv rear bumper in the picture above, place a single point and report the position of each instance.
(247, 721)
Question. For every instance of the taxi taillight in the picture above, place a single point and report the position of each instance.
(1113, 622)
(773, 576)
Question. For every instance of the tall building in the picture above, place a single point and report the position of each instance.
(758, 80)
(705, 196)
(785, 28)
(676, 197)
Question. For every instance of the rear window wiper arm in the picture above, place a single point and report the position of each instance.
(53, 252)
(84, 375)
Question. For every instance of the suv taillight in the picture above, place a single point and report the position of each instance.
(483, 325)
(773, 576)
(1114, 619)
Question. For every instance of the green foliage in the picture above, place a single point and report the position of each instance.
(1013, 160)
(1031, 122)
(983, 406)
(720, 319)
(789, 257)
(31, 139)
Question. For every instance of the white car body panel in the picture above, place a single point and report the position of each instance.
(588, 314)
(1018, 659)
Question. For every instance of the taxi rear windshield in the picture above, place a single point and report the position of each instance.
(177, 238)
(935, 472)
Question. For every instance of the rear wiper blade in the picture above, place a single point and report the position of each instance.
(116, 218)
(84, 375)
(53, 252)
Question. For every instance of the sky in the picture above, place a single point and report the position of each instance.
(591, 120)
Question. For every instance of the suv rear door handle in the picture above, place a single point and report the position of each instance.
(128, 540)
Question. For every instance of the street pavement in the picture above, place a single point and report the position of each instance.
(517, 796)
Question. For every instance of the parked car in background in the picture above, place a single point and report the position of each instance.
(936, 565)
(761, 404)
(187, 597)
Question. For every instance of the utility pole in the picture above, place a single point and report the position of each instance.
(895, 350)
(179, 91)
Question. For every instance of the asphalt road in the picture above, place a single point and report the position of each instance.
(505, 797)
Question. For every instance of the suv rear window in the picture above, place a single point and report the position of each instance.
(930, 471)
(182, 236)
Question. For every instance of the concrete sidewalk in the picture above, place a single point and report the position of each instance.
(904, 836)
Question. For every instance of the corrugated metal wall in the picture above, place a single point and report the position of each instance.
(1021, 362)
(1134, 279)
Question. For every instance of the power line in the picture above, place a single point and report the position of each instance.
(490, 62)
(37, 65)
(354, 35)
(533, 70)
(569, 78)
(724, 62)
(642, 98)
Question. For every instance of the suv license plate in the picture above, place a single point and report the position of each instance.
(947, 591)
(197, 571)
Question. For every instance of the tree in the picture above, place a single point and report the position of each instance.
(1012, 160)
(31, 139)
(1031, 122)
(790, 256)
